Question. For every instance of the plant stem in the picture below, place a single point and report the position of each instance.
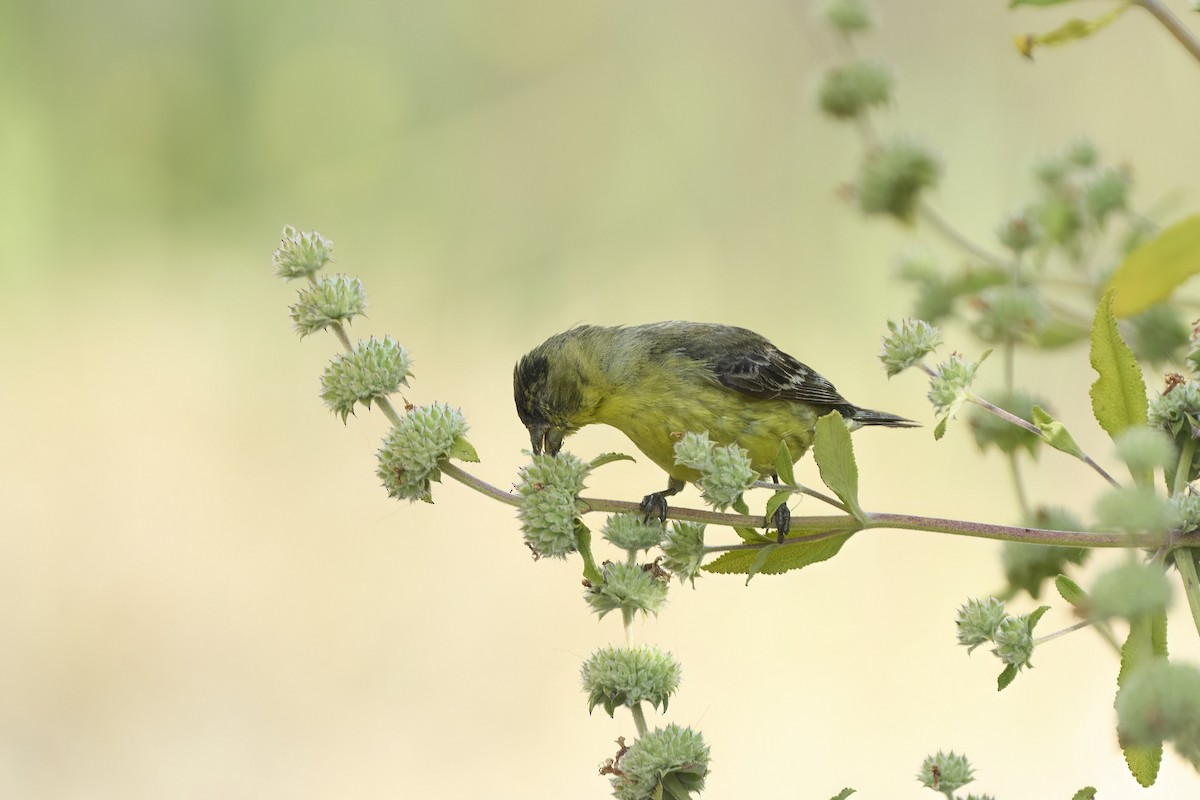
(800, 489)
(931, 217)
(1183, 467)
(1171, 22)
(1014, 468)
(1069, 629)
(1185, 561)
(639, 718)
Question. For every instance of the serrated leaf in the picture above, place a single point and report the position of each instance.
(1070, 31)
(834, 454)
(843, 794)
(1147, 640)
(1150, 273)
(940, 430)
(761, 559)
(1119, 393)
(783, 464)
(1086, 793)
(463, 451)
(1070, 591)
(608, 458)
(1056, 433)
(1036, 615)
(782, 558)
(1006, 677)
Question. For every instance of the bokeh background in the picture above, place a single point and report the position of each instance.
(204, 592)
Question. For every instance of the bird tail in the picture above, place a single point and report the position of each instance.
(865, 416)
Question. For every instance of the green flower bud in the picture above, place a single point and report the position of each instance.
(1010, 313)
(893, 177)
(301, 254)
(1187, 508)
(910, 341)
(848, 16)
(629, 588)
(726, 469)
(414, 450)
(1051, 171)
(848, 91)
(565, 470)
(1134, 511)
(1159, 702)
(1158, 334)
(1193, 356)
(977, 621)
(1028, 566)
(993, 431)
(951, 383)
(1014, 640)
(1177, 411)
(1130, 590)
(549, 486)
(1060, 219)
(684, 550)
(376, 368)
(1145, 449)
(946, 772)
(1105, 193)
(626, 676)
(633, 532)
(332, 300)
(672, 756)
(1082, 153)
(1019, 232)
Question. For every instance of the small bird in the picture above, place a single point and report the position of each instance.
(655, 382)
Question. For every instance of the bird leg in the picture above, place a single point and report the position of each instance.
(655, 504)
(782, 518)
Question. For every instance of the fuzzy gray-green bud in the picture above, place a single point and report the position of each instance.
(1159, 334)
(1106, 193)
(946, 772)
(1159, 702)
(1144, 449)
(626, 676)
(849, 90)
(376, 368)
(1131, 590)
(673, 756)
(1187, 509)
(1014, 640)
(951, 384)
(414, 450)
(333, 300)
(684, 550)
(894, 176)
(1019, 232)
(633, 532)
(628, 588)
(1028, 566)
(1177, 411)
(994, 431)
(908, 344)
(1134, 511)
(549, 512)
(1010, 313)
(301, 253)
(978, 620)
(726, 469)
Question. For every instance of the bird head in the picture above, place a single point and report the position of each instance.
(547, 401)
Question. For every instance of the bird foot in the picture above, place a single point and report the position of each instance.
(782, 520)
(654, 505)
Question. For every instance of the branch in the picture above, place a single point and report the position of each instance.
(1171, 22)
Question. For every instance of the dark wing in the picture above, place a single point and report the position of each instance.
(768, 372)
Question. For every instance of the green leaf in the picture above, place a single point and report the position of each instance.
(1070, 31)
(1119, 393)
(1006, 677)
(763, 555)
(843, 794)
(1036, 615)
(608, 458)
(940, 430)
(461, 449)
(1147, 640)
(1070, 591)
(751, 536)
(834, 454)
(1086, 793)
(782, 558)
(740, 506)
(783, 464)
(1056, 434)
(1151, 272)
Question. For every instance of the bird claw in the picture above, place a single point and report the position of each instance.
(782, 520)
(654, 505)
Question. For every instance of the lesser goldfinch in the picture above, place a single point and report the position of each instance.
(655, 382)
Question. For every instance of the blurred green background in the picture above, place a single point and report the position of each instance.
(205, 592)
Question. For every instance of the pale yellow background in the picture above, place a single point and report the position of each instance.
(203, 591)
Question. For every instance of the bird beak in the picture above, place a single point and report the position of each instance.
(546, 440)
